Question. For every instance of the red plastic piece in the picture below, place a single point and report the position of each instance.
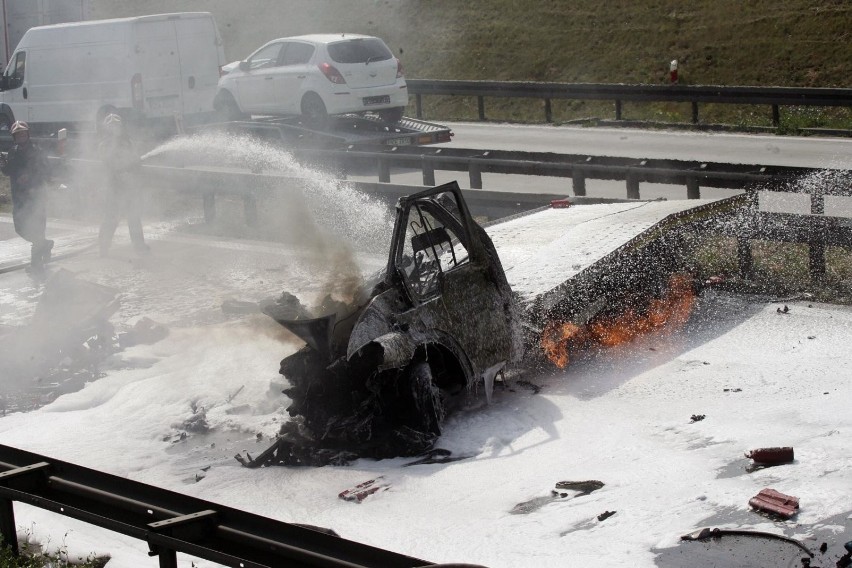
(775, 502)
(560, 203)
(363, 490)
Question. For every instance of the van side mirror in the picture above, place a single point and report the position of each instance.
(4, 82)
(244, 66)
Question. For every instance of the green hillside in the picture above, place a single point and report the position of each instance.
(724, 42)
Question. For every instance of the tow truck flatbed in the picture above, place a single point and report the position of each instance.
(557, 256)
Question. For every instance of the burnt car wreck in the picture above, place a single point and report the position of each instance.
(377, 376)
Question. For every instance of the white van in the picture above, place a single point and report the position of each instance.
(143, 68)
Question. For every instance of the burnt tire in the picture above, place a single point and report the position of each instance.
(392, 115)
(427, 401)
(314, 112)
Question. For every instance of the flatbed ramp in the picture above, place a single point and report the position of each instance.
(580, 255)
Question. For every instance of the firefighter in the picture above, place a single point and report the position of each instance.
(28, 171)
(120, 158)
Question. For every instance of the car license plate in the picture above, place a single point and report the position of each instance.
(382, 100)
(399, 141)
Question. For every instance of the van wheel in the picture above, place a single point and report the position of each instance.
(227, 108)
(313, 111)
(392, 115)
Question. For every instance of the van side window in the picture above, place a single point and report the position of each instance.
(296, 53)
(266, 57)
(15, 70)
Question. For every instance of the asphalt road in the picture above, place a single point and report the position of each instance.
(833, 153)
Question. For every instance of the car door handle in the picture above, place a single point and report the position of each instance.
(301, 76)
(268, 79)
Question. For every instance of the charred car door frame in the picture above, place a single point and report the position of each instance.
(452, 297)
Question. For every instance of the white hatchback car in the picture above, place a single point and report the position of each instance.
(315, 76)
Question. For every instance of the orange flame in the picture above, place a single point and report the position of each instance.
(671, 311)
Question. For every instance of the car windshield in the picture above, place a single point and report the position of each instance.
(360, 50)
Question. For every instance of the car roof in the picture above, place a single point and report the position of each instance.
(324, 38)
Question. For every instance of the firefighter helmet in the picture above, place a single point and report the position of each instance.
(19, 126)
(112, 120)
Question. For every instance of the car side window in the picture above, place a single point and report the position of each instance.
(296, 53)
(430, 249)
(266, 57)
(15, 70)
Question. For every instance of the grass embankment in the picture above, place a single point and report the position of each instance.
(779, 269)
(32, 556)
(793, 43)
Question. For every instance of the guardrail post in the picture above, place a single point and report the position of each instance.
(167, 558)
(475, 172)
(384, 170)
(209, 200)
(578, 182)
(816, 244)
(817, 202)
(694, 112)
(7, 525)
(617, 109)
(418, 105)
(548, 111)
(480, 105)
(744, 258)
(250, 209)
(816, 257)
(428, 171)
(632, 186)
(776, 116)
(693, 191)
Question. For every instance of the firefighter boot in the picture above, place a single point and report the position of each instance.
(46, 249)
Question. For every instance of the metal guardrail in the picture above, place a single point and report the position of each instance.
(619, 93)
(579, 167)
(249, 184)
(171, 522)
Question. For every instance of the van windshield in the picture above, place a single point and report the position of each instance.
(359, 50)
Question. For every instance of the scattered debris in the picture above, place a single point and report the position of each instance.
(438, 455)
(696, 418)
(771, 501)
(707, 533)
(733, 390)
(146, 331)
(771, 456)
(364, 490)
(560, 492)
(783, 310)
(605, 515)
(582, 487)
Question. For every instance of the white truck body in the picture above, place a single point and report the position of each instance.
(143, 68)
